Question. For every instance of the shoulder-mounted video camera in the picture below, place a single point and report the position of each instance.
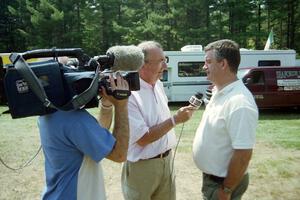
(43, 87)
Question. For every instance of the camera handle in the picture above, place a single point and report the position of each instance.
(78, 101)
(54, 53)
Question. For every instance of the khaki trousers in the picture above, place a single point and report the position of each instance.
(149, 179)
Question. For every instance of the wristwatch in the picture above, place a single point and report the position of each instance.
(227, 190)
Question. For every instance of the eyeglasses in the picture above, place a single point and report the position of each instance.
(164, 60)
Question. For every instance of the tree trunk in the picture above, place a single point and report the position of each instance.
(257, 37)
(293, 24)
(289, 7)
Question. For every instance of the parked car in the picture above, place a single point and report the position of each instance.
(272, 87)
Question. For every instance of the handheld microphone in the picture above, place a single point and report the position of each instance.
(196, 100)
(123, 58)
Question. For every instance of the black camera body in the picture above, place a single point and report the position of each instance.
(61, 83)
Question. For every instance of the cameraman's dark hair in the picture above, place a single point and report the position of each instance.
(226, 49)
(147, 45)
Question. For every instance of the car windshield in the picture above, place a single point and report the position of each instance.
(242, 72)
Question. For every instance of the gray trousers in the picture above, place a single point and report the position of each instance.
(210, 188)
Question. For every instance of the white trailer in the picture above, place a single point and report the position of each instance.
(185, 75)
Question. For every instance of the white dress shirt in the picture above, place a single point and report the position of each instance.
(146, 108)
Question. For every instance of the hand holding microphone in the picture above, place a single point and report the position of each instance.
(186, 112)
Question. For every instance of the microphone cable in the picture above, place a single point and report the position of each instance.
(26, 164)
(175, 150)
(196, 101)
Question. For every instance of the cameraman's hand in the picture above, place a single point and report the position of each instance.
(120, 85)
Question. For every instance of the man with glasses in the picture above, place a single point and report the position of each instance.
(147, 173)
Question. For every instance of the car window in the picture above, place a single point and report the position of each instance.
(258, 78)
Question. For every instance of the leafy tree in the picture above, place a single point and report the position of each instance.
(70, 25)
(134, 25)
(239, 18)
(191, 23)
(17, 24)
(95, 25)
(4, 26)
(47, 23)
(99, 20)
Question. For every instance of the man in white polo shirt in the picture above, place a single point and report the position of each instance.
(225, 137)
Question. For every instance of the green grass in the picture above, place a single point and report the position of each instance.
(274, 168)
(16, 135)
(276, 127)
(280, 127)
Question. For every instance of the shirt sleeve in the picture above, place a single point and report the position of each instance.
(242, 125)
(137, 124)
(90, 138)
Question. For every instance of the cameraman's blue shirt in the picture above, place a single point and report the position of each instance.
(73, 143)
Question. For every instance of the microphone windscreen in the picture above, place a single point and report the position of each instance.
(127, 58)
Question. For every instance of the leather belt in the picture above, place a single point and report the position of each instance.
(162, 155)
(214, 178)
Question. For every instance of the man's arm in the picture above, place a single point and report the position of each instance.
(121, 133)
(236, 170)
(159, 130)
(105, 113)
(121, 125)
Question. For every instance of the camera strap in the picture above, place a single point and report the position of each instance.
(78, 101)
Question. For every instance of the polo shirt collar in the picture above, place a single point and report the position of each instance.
(144, 84)
(228, 88)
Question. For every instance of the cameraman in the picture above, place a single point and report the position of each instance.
(74, 143)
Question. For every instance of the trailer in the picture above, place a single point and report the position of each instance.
(185, 76)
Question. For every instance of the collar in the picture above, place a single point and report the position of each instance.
(144, 84)
(227, 88)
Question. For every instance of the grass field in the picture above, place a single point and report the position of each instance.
(274, 169)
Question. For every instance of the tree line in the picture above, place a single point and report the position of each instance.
(96, 25)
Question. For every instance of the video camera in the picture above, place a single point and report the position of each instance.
(43, 87)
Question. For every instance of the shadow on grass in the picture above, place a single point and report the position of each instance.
(279, 113)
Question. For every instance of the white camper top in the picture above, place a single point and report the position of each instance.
(191, 48)
(249, 58)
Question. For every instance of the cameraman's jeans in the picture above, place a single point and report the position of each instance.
(210, 188)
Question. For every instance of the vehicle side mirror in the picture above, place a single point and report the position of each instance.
(248, 81)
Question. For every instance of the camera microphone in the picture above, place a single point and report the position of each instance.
(127, 58)
(196, 100)
(123, 58)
